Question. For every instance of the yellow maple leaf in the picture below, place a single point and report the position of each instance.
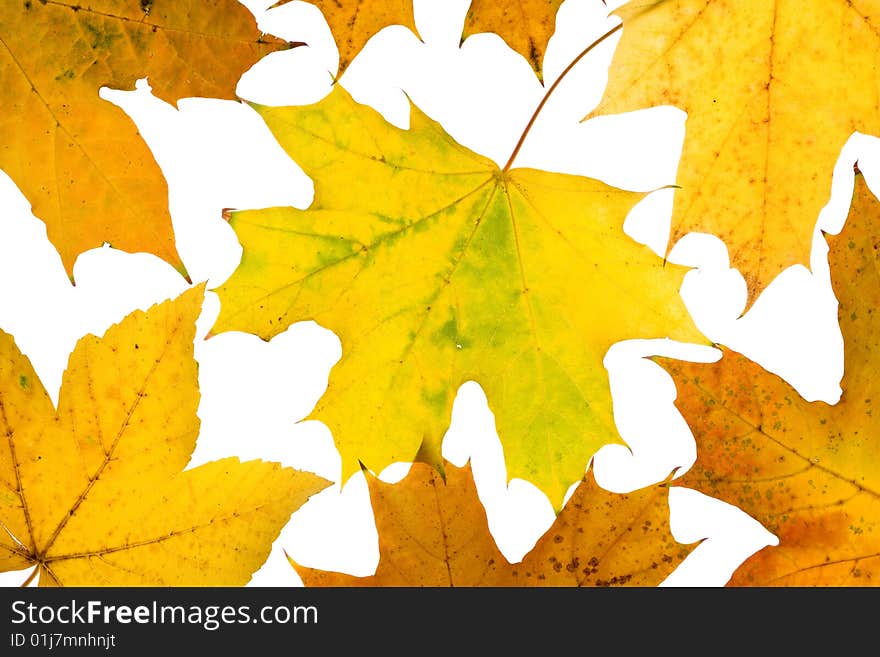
(772, 90)
(525, 25)
(434, 267)
(809, 472)
(79, 159)
(434, 533)
(96, 493)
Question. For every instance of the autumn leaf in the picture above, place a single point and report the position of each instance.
(435, 533)
(96, 493)
(525, 25)
(354, 22)
(435, 267)
(79, 159)
(809, 472)
(772, 91)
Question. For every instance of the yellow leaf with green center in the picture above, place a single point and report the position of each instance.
(772, 89)
(433, 532)
(808, 471)
(80, 160)
(96, 493)
(525, 25)
(435, 267)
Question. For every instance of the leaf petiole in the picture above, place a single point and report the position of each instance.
(552, 88)
(30, 578)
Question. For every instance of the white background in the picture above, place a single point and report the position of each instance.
(217, 154)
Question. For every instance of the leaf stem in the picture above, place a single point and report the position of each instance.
(552, 88)
(30, 577)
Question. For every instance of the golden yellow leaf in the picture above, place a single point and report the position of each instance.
(79, 159)
(354, 22)
(809, 472)
(435, 533)
(526, 25)
(435, 267)
(96, 493)
(772, 91)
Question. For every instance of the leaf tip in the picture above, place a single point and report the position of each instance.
(676, 472)
(430, 455)
(181, 269)
(200, 288)
(290, 560)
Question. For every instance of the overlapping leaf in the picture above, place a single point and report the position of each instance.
(354, 22)
(772, 91)
(78, 159)
(435, 267)
(95, 493)
(434, 533)
(809, 472)
(526, 25)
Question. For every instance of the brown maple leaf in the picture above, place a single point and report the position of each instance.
(435, 533)
(525, 25)
(808, 471)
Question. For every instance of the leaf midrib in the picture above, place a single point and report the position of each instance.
(42, 554)
(143, 23)
(808, 460)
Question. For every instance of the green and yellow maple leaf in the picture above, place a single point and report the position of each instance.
(434, 267)
(809, 472)
(96, 493)
(772, 91)
(435, 533)
(79, 159)
(525, 25)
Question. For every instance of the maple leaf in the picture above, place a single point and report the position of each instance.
(435, 267)
(435, 533)
(772, 91)
(354, 22)
(525, 25)
(808, 471)
(79, 159)
(95, 493)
